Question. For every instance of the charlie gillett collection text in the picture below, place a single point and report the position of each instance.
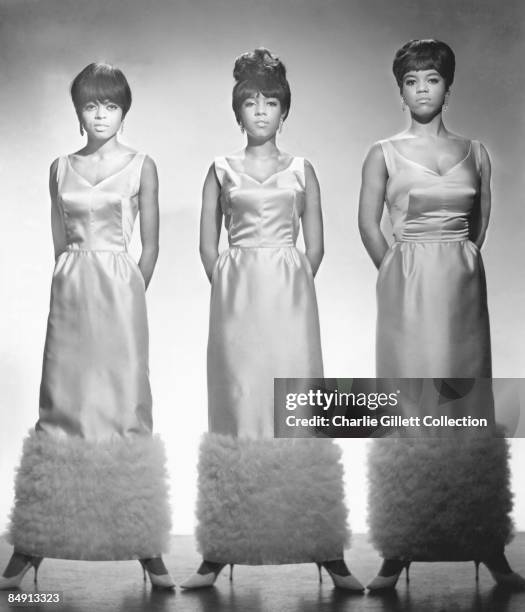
(384, 421)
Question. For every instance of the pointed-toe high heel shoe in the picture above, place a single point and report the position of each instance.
(388, 575)
(341, 580)
(205, 576)
(13, 582)
(161, 580)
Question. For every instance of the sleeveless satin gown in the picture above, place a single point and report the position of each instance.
(264, 500)
(429, 499)
(92, 480)
(432, 315)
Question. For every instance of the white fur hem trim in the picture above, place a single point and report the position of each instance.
(442, 500)
(270, 501)
(76, 499)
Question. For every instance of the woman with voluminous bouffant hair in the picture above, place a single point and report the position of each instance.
(92, 480)
(263, 500)
(449, 498)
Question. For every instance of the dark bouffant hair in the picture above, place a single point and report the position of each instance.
(425, 54)
(99, 82)
(260, 71)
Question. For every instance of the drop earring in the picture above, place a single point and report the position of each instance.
(122, 127)
(281, 125)
(242, 127)
(81, 129)
(403, 105)
(444, 108)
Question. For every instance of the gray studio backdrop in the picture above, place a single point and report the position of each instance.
(178, 56)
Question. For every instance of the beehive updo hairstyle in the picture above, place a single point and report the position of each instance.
(260, 71)
(99, 82)
(425, 54)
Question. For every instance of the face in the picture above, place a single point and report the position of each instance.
(101, 120)
(423, 91)
(261, 116)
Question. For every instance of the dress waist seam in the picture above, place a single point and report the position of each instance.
(263, 246)
(434, 240)
(75, 250)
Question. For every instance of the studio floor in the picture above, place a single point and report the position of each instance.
(118, 586)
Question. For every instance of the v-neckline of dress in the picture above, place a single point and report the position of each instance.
(93, 185)
(463, 159)
(255, 180)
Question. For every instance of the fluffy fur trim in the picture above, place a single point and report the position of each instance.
(270, 501)
(76, 499)
(439, 500)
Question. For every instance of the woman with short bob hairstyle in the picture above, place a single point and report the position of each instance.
(92, 479)
(445, 499)
(263, 500)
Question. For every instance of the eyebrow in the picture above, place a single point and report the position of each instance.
(412, 74)
(104, 101)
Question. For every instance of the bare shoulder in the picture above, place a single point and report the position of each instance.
(212, 170)
(485, 157)
(149, 165)
(375, 157)
(53, 168)
(484, 161)
(308, 167)
(212, 176)
(375, 151)
(310, 176)
(53, 177)
(148, 174)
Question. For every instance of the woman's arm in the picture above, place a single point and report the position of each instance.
(484, 199)
(211, 220)
(312, 219)
(371, 203)
(149, 218)
(57, 223)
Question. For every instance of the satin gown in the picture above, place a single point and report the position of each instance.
(431, 293)
(264, 500)
(263, 313)
(95, 372)
(92, 463)
(447, 498)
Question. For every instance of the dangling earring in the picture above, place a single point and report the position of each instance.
(281, 125)
(445, 102)
(81, 129)
(242, 127)
(122, 127)
(403, 105)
